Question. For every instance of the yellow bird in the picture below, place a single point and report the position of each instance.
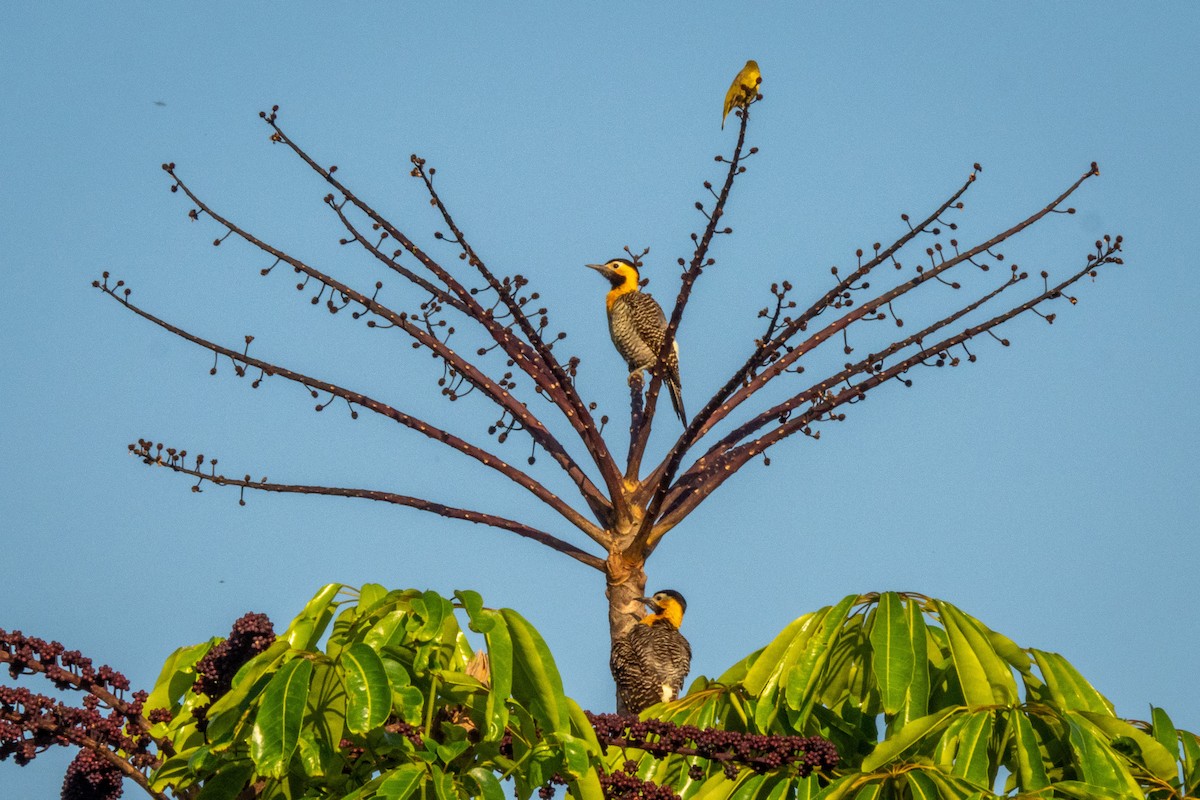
(743, 90)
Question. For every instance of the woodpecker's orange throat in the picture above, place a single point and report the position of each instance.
(629, 283)
(667, 605)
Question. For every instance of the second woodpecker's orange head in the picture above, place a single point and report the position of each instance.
(668, 605)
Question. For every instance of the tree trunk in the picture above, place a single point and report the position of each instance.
(625, 575)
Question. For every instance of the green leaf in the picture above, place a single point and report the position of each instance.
(847, 680)
(1081, 790)
(1068, 689)
(368, 691)
(228, 783)
(718, 787)
(1010, 651)
(309, 625)
(535, 678)
(485, 779)
(921, 786)
(582, 729)
(806, 788)
(448, 751)
(770, 661)
(326, 712)
(892, 661)
(177, 675)
(840, 788)
(748, 788)
(972, 763)
(777, 787)
(773, 663)
(226, 714)
(985, 678)
(473, 604)
(443, 785)
(1159, 761)
(277, 725)
(1099, 765)
(909, 737)
(402, 782)
(576, 755)
(1191, 761)
(174, 772)
(916, 700)
(343, 630)
(1031, 772)
(312, 755)
(370, 595)
(435, 610)
(804, 677)
(738, 672)
(384, 632)
(767, 702)
(500, 661)
(1163, 730)
(952, 788)
(410, 703)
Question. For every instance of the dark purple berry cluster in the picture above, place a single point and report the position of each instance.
(91, 777)
(547, 791)
(104, 724)
(251, 634)
(354, 750)
(624, 783)
(758, 751)
(410, 732)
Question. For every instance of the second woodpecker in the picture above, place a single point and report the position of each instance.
(637, 325)
(650, 662)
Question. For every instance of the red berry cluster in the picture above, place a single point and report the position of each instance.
(251, 634)
(104, 724)
(90, 777)
(760, 752)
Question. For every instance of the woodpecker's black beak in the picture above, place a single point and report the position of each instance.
(649, 603)
(608, 272)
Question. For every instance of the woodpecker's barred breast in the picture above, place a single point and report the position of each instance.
(650, 662)
(637, 323)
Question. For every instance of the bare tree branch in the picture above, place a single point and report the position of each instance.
(695, 268)
(520, 352)
(703, 478)
(778, 366)
(473, 375)
(715, 411)
(352, 398)
(152, 454)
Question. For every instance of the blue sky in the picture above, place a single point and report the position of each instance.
(1047, 489)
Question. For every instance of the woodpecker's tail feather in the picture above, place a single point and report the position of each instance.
(677, 401)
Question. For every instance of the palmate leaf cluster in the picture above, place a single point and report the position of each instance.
(371, 693)
(368, 694)
(925, 701)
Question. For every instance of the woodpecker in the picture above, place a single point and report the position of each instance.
(650, 662)
(744, 88)
(637, 325)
